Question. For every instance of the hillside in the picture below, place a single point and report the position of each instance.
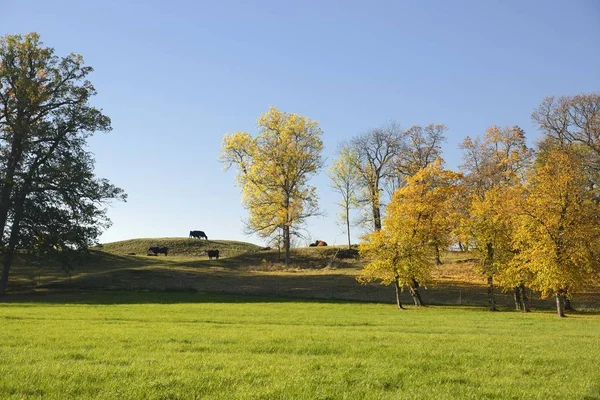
(243, 268)
(178, 247)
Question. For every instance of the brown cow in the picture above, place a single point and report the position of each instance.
(318, 243)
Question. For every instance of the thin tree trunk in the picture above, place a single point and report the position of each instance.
(398, 290)
(438, 260)
(560, 304)
(377, 217)
(460, 246)
(490, 292)
(414, 292)
(286, 243)
(488, 268)
(348, 225)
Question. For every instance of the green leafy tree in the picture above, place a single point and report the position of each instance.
(45, 172)
(273, 172)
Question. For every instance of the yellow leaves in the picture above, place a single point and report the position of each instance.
(418, 217)
(558, 233)
(274, 169)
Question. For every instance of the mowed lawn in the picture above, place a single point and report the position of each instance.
(188, 345)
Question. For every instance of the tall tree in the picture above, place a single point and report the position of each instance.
(273, 172)
(45, 119)
(492, 165)
(343, 175)
(558, 236)
(376, 153)
(418, 217)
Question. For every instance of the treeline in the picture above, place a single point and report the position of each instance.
(530, 214)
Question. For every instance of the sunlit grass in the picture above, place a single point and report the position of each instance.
(162, 346)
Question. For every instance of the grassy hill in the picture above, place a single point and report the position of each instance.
(243, 268)
(179, 247)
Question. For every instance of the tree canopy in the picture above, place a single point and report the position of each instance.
(49, 196)
(273, 171)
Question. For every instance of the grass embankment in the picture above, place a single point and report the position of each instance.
(186, 345)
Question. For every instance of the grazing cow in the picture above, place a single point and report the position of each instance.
(156, 250)
(212, 253)
(198, 235)
(320, 243)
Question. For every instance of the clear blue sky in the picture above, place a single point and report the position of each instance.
(175, 76)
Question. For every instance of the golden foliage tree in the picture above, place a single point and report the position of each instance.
(494, 167)
(273, 172)
(558, 235)
(419, 217)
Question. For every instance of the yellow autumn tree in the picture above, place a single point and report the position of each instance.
(419, 217)
(558, 235)
(273, 171)
(494, 167)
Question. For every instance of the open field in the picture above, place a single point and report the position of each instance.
(188, 345)
(243, 269)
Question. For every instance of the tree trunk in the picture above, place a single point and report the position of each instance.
(438, 260)
(524, 299)
(560, 304)
(13, 161)
(377, 217)
(348, 226)
(518, 298)
(398, 290)
(460, 246)
(10, 250)
(567, 301)
(286, 243)
(414, 292)
(490, 292)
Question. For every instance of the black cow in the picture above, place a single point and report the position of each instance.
(156, 250)
(212, 253)
(198, 235)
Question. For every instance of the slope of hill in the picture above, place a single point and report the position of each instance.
(243, 268)
(178, 247)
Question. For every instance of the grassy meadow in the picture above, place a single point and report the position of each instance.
(188, 345)
(124, 325)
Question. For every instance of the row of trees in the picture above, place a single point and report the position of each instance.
(51, 204)
(530, 215)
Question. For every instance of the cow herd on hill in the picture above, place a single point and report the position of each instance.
(156, 250)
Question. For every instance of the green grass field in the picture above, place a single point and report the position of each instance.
(186, 345)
